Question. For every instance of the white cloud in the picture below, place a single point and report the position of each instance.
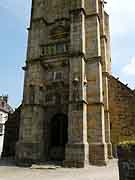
(122, 27)
(129, 69)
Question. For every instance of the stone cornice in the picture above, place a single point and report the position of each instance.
(42, 19)
(92, 14)
(78, 10)
(106, 74)
(96, 104)
(78, 102)
(32, 105)
(77, 54)
(94, 59)
(43, 58)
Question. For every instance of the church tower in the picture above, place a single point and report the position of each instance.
(65, 114)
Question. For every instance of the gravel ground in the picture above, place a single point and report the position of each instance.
(10, 172)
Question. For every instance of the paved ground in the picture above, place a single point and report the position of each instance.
(10, 172)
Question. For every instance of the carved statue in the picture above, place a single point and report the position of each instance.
(76, 89)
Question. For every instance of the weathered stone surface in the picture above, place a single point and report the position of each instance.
(122, 112)
(41, 172)
(66, 81)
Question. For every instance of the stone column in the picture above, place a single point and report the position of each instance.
(77, 147)
(105, 68)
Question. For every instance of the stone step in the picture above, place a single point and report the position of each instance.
(44, 166)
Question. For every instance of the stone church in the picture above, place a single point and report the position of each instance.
(65, 109)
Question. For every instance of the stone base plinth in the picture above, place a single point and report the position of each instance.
(77, 155)
(109, 149)
(98, 154)
(28, 153)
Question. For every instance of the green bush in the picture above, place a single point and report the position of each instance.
(126, 144)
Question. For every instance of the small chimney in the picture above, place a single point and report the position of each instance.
(5, 98)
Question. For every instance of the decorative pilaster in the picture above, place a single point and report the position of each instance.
(105, 69)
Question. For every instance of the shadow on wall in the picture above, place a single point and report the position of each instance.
(7, 162)
(11, 134)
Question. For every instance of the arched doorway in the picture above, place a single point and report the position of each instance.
(58, 137)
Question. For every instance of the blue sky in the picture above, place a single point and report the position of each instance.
(14, 18)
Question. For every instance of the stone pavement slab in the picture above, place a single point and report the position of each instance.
(10, 172)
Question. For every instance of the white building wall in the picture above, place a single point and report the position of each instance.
(3, 119)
